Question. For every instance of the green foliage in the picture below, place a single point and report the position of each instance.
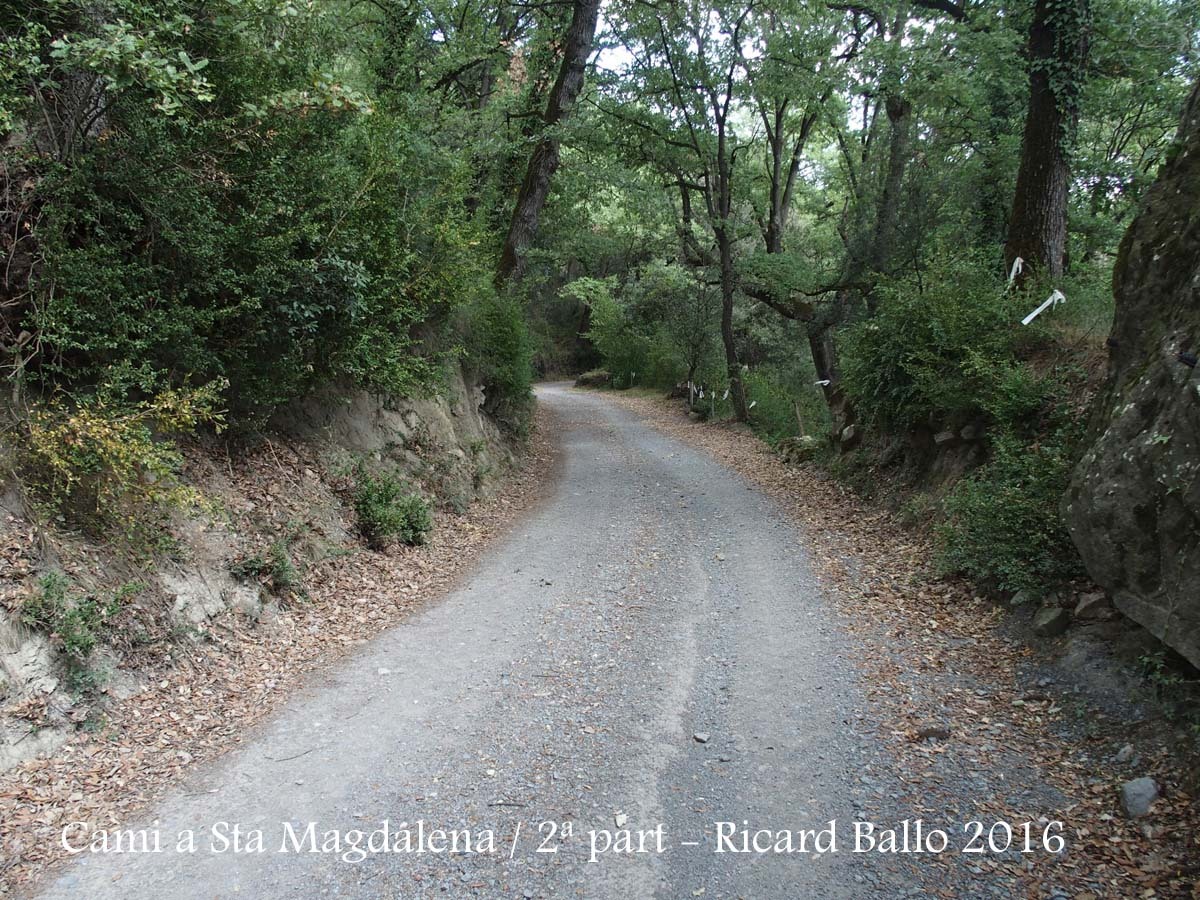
(386, 510)
(500, 352)
(1087, 314)
(941, 351)
(773, 415)
(1003, 525)
(778, 411)
(682, 311)
(290, 230)
(125, 56)
(76, 622)
(20, 62)
(272, 272)
(656, 330)
(614, 335)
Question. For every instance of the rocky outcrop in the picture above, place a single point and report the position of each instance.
(1133, 507)
(283, 499)
(445, 442)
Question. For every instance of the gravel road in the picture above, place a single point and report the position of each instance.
(650, 648)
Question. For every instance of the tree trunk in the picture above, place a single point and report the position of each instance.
(720, 208)
(887, 218)
(818, 326)
(1058, 46)
(1133, 507)
(868, 255)
(737, 390)
(783, 172)
(825, 361)
(543, 162)
(773, 234)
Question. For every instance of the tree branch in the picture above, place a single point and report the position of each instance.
(956, 11)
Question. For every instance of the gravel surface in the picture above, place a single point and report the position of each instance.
(648, 655)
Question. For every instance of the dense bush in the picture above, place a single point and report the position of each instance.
(271, 272)
(946, 351)
(941, 351)
(257, 223)
(500, 352)
(621, 341)
(786, 402)
(1003, 526)
(656, 330)
(387, 510)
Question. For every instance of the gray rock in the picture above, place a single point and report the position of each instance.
(1124, 755)
(943, 437)
(849, 434)
(198, 594)
(1094, 607)
(1134, 498)
(246, 598)
(701, 737)
(800, 449)
(969, 433)
(1051, 620)
(1137, 795)
(1022, 598)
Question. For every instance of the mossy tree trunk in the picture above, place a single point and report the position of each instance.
(1058, 48)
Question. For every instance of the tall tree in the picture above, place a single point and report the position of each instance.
(1058, 49)
(543, 161)
(682, 97)
(875, 171)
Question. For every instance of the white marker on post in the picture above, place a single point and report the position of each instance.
(1018, 267)
(1053, 300)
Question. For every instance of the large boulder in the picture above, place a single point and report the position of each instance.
(1133, 507)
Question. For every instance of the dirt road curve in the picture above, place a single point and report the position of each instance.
(650, 648)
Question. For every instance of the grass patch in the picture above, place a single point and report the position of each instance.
(274, 568)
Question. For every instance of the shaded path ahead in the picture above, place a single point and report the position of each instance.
(650, 647)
